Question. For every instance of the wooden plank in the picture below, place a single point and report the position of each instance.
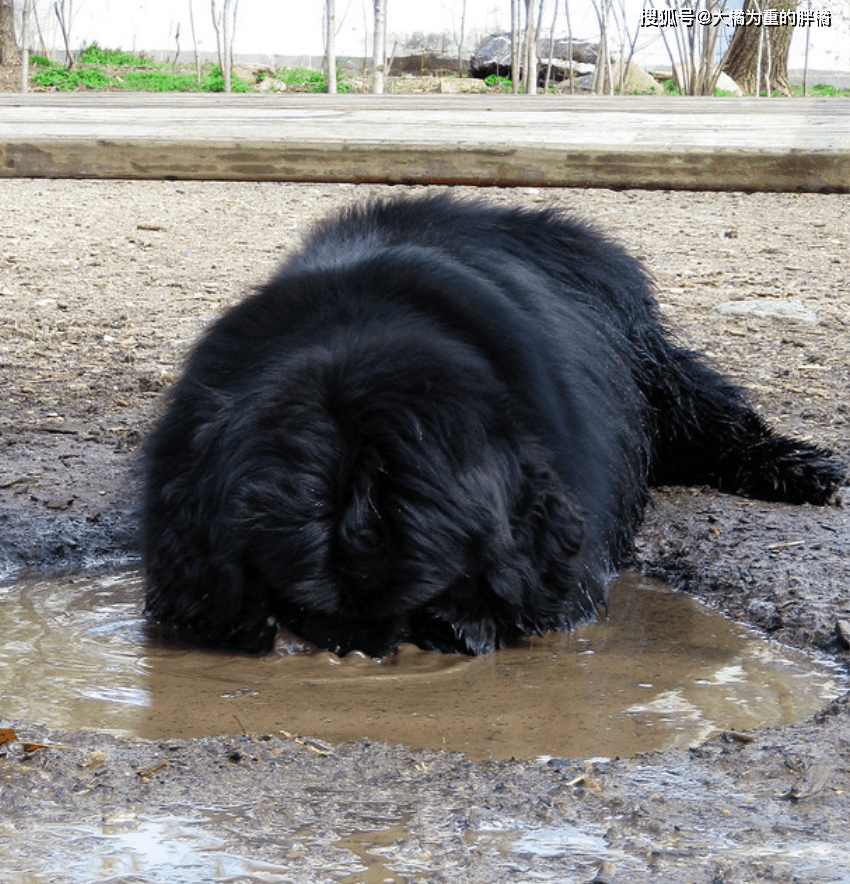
(629, 141)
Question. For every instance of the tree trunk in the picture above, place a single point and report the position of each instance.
(515, 47)
(330, 45)
(770, 44)
(25, 46)
(195, 44)
(529, 75)
(8, 45)
(379, 47)
(460, 70)
(226, 40)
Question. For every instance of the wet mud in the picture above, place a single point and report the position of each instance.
(103, 286)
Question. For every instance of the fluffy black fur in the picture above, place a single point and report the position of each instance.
(438, 423)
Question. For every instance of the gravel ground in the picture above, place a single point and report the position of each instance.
(104, 285)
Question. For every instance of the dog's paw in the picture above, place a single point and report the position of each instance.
(791, 471)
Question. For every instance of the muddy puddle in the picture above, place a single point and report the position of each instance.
(662, 671)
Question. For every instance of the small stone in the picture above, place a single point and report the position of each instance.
(59, 503)
(842, 630)
(461, 85)
(770, 308)
(93, 759)
(605, 873)
(270, 84)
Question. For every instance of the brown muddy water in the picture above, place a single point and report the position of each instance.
(661, 671)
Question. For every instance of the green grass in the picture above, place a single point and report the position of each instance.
(88, 74)
(156, 81)
(821, 90)
(77, 78)
(307, 80)
(114, 57)
(214, 82)
(139, 74)
(503, 84)
(303, 78)
(167, 81)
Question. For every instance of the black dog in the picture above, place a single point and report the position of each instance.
(437, 424)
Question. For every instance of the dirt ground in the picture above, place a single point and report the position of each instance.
(103, 287)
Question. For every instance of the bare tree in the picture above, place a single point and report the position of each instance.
(460, 39)
(365, 42)
(224, 22)
(515, 46)
(391, 59)
(65, 13)
(177, 52)
(41, 43)
(692, 47)
(25, 45)
(570, 46)
(551, 46)
(602, 77)
(529, 80)
(379, 47)
(195, 44)
(806, 55)
(330, 44)
(621, 22)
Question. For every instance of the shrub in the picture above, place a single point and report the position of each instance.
(503, 83)
(65, 81)
(95, 55)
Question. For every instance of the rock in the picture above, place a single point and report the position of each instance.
(251, 72)
(493, 55)
(93, 759)
(244, 72)
(635, 79)
(582, 77)
(59, 503)
(726, 84)
(583, 51)
(842, 630)
(562, 69)
(461, 85)
(773, 308)
(270, 84)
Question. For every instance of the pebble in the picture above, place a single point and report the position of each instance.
(773, 308)
(93, 759)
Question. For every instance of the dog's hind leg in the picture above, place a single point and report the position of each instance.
(705, 432)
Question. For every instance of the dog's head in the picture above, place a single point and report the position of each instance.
(382, 489)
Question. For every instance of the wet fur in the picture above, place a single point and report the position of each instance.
(438, 423)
